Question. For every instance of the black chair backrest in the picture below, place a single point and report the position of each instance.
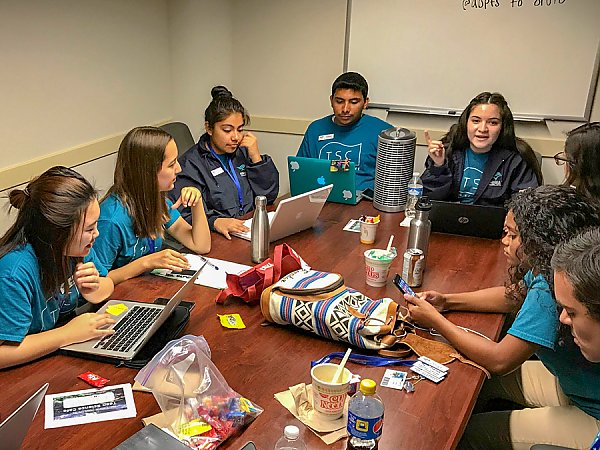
(182, 135)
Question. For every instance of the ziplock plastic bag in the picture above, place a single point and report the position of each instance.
(200, 407)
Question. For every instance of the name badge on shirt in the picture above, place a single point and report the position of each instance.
(217, 171)
(325, 137)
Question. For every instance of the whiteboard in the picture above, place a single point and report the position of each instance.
(433, 56)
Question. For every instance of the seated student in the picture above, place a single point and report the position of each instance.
(582, 158)
(227, 166)
(46, 264)
(576, 265)
(479, 160)
(347, 133)
(538, 220)
(135, 213)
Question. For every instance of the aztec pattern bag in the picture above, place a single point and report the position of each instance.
(319, 302)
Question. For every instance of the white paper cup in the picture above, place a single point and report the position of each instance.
(368, 231)
(329, 398)
(377, 266)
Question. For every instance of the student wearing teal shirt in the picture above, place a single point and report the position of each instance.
(46, 264)
(537, 221)
(480, 160)
(135, 213)
(347, 133)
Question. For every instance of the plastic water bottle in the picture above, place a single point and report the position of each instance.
(415, 191)
(290, 440)
(259, 230)
(420, 228)
(365, 417)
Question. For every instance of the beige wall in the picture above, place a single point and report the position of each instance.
(286, 54)
(77, 71)
(78, 74)
(201, 48)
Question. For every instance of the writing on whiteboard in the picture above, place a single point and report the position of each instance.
(489, 4)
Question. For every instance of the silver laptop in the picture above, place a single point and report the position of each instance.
(14, 428)
(293, 214)
(134, 327)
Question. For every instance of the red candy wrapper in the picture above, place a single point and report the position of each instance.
(93, 379)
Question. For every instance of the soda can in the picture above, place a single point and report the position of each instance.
(412, 267)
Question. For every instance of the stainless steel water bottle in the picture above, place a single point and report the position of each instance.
(259, 230)
(420, 228)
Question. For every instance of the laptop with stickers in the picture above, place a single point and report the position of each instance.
(307, 174)
(467, 220)
(136, 323)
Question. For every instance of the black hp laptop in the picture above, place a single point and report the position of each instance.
(467, 220)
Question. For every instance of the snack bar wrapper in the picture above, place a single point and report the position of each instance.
(200, 407)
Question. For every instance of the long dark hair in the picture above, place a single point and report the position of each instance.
(51, 208)
(582, 149)
(223, 104)
(140, 158)
(545, 216)
(457, 137)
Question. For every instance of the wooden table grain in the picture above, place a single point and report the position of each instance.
(260, 361)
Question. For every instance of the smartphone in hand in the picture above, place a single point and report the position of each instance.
(403, 286)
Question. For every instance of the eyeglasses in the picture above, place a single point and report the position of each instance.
(561, 158)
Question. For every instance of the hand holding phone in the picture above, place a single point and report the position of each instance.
(403, 286)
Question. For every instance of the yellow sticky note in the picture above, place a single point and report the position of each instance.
(117, 309)
(194, 428)
(231, 321)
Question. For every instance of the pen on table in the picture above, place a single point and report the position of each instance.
(208, 263)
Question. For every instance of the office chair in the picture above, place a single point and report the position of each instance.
(522, 145)
(538, 156)
(182, 135)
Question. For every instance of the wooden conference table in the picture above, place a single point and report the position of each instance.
(260, 361)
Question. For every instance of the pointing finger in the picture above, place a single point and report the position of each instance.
(427, 137)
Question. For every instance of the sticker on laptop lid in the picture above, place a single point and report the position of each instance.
(116, 310)
(326, 137)
(339, 165)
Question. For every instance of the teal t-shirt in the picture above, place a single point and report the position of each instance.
(472, 171)
(537, 322)
(117, 245)
(24, 308)
(325, 139)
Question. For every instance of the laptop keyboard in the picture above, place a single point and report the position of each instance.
(129, 329)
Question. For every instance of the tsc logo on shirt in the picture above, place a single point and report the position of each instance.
(242, 170)
(496, 180)
(337, 150)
